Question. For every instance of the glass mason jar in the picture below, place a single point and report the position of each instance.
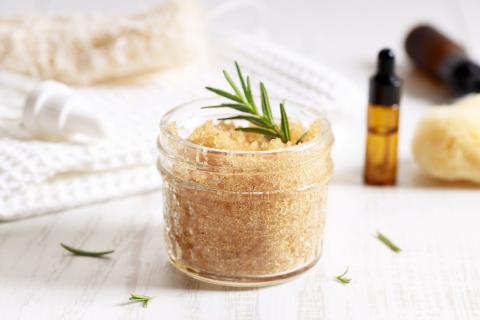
(242, 218)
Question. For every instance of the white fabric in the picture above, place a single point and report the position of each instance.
(38, 177)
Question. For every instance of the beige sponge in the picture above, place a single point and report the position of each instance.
(447, 141)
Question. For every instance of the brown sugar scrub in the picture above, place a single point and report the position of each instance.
(243, 208)
(222, 135)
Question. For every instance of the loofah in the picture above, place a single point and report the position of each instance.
(446, 143)
(93, 48)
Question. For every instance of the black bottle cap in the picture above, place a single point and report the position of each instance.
(385, 84)
(438, 56)
(465, 78)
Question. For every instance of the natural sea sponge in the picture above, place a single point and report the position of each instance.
(446, 143)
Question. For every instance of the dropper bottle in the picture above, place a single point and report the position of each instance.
(440, 57)
(382, 122)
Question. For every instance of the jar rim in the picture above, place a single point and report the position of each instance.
(166, 120)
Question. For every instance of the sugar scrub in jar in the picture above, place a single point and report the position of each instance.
(244, 207)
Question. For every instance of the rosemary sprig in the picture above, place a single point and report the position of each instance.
(388, 242)
(342, 278)
(80, 252)
(140, 298)
(244, 102)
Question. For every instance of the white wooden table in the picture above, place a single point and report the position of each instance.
(436, 276)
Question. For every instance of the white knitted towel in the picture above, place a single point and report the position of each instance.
(39, 177)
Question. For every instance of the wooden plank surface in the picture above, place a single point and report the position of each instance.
(437, 275)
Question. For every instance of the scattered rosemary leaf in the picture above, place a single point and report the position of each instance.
(388, 242)
(140, 298)
(83, 253)
(342, 278)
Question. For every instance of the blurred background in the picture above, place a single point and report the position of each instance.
(345, 34)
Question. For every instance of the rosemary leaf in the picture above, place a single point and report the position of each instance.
(342, 278)
(386, 241)
(242, 81)
(284, 127)
(238, 107)
(246, 104)
(249, 95)
(301, 137)
(270, 134)
(232, 84)
(140, 298)
(267, 111)
(225, 94)
(253, 119)
(84, 253)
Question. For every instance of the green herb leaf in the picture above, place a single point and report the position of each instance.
(246, 104)
(284, 127)
(232, 84)
(342, 278)
(84, 253)
(301, 137)
(267, 132)
(249, 95)
(267, 111)
(224, 94)
(253, 119)
(240, 76)
(140, 298)
(388, 242)
(238, 107)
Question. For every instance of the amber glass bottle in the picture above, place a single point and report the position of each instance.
(443, 59)
(382, 123)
